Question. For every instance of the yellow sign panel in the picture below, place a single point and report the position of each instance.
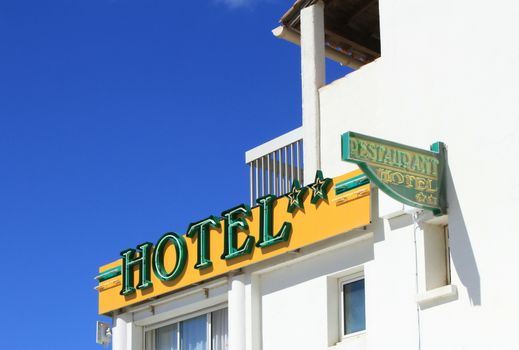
(344, 207)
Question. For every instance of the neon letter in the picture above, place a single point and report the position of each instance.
(158, 256)
(234, 221)
(143, 261)
(267, 238)
(203, 228)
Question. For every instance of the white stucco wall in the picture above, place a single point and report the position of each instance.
(295, 297)
(447, 73)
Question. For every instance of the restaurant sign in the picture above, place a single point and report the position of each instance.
(239, 237)
(409, 175)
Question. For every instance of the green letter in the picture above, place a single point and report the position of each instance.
(158, 256)
(143, 261)
(202, 228)
(267, 238)
(235, 220)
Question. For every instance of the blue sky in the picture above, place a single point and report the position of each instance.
(121, 120)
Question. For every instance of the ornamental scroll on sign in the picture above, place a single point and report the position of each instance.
(409, 175)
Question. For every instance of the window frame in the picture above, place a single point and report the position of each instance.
(341, 282)
(152, 329)
(447, 254)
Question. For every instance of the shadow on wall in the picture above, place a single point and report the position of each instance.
(378, 225)
(461, 250)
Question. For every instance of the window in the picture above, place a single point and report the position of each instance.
(433, 264)
(436, 256)
(205, 332)
(353, 306)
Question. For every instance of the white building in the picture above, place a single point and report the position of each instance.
(448, 71)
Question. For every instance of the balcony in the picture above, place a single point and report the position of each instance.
(274, 165)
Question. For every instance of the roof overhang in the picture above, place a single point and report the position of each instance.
(352, 30)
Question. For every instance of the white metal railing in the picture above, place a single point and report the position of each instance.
(274, 165)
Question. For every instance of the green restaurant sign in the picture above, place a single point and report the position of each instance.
(409, 175)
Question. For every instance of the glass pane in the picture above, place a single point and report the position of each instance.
(354, 307)
(166, 338)
(219, 330)
(193, 333)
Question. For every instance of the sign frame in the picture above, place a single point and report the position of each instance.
(433, 183)
(240, 237)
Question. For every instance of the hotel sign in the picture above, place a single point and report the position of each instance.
(239, 237)
(409, 175)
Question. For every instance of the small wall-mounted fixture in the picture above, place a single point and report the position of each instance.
(103, 333)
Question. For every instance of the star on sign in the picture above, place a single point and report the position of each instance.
(296, 197)
(320, 187)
